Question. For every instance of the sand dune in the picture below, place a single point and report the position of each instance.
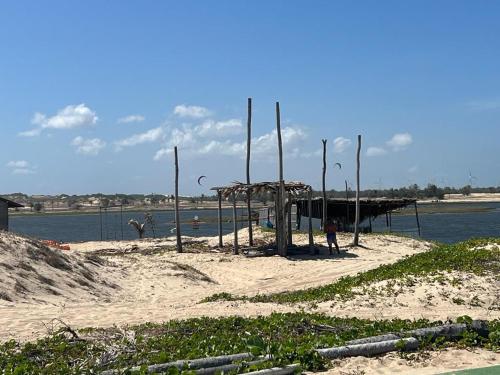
(131, 282)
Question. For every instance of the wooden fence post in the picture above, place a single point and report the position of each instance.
(289, 213)
(418, 220)
(310, 226)
(219, 217)
(356, 224)
(177, 216)
(235, 224)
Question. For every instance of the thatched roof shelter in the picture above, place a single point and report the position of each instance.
(345, 210)
(239, 188)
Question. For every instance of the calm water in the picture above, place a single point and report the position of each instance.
(80, 227)
(442, 227)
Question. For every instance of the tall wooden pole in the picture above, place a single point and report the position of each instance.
(310, 226)
(325, 205)
(177, 216)
(235, 224)
(356, 224)
(280, 144)
(280, 215)
(219, 217)
(249, 191)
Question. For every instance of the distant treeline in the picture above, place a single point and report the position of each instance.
(412, 191)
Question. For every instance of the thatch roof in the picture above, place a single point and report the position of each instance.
(292, 187)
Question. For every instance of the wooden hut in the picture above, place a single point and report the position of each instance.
(5, 204)
(291, 191)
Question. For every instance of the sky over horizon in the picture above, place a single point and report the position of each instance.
(94, 95)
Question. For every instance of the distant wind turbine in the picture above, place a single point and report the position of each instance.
(471, 178)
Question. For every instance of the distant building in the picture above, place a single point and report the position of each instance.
(5, 204)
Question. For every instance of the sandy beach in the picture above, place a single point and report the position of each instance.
(102, 284)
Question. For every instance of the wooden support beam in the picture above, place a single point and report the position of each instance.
(289, 226)
(235, 224)
(280, 214)
(219, 217)
(347, 224)
(177, 216)
(310, 226)
(249, 191)
(356, 224)
(418, 220)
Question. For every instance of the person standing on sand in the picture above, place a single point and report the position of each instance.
(331, 235)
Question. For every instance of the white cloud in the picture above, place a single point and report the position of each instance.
(413, 169)
(400, 141)
(131, 118)
(195, 144)
(72, 116)
(220, 128)
(484, 105)
(191, 111)
(88, 146)
(152, 135)
(23, 171)
(20, 167)
(30, 133)
(18, 164)
(341, 144)
(375, 151)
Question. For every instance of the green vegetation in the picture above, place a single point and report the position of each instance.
(469, 256)
(288, 338)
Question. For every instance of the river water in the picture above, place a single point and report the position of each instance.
(442, 227)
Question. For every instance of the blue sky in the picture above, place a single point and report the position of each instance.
(94, 94)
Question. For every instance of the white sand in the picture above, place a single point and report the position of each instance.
(426, 363)
(155, 285)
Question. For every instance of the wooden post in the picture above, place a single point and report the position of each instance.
(325, 204)
(280, 214)
(310, 225)
(235, 224)
(100, 219)
(219, 217)
(418, 221)
(249, 191)
(355, 241)
(348, 223)
(177, 216)
(390, 221)
(289, 227)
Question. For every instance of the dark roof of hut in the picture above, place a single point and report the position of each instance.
(10, 204)
(345, 210)
(293, 187)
